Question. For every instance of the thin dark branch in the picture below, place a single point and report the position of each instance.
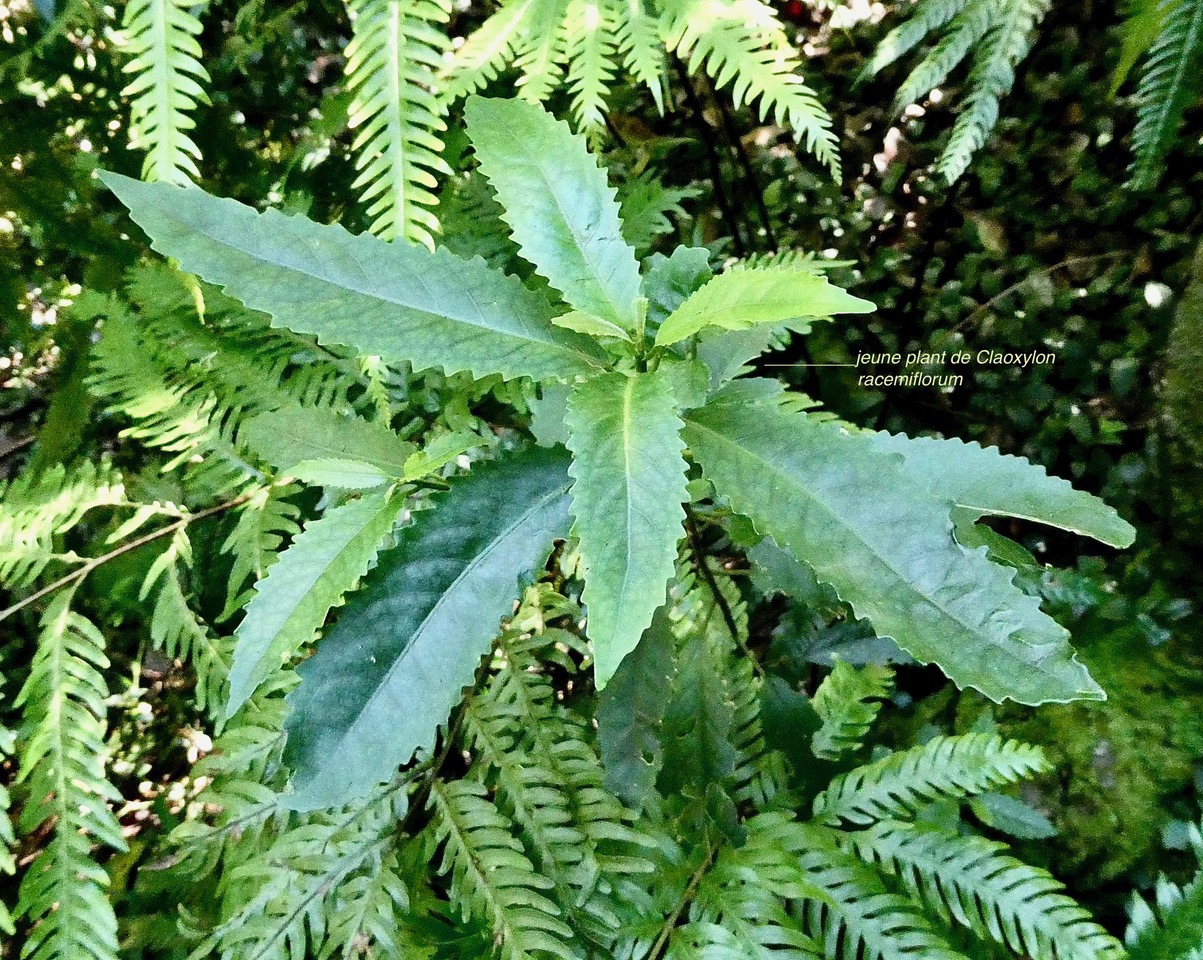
(691, 890)
(77, 575)
(745, 162)
(706, 135)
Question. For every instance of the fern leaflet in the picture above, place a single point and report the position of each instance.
(169, 83)
(972, 881)
(1169, 84)
(392, 62)
(62, 752)
(898, 785)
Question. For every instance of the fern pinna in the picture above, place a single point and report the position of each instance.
(410, 763)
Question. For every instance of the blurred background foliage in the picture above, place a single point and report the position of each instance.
(1039, 246)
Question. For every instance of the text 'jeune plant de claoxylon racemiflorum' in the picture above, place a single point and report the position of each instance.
(653, 416)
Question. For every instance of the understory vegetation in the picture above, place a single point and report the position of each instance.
(488, 480)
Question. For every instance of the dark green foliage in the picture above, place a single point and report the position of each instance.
(244, 443)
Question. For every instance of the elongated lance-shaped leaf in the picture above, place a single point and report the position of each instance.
(985, 481)
(740, 299)
(630, 712)
(624, 434)
(291, 602)
(563, 214)
(859, 519)
(397, 301)
(294, 434)
(392, 666)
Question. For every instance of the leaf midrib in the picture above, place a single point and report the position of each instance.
(416, 635)
(1016, 635)
(616, 311)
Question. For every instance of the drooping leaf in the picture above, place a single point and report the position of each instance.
(563, 214)
(389, 670)
(397, 301)
(630, 711)
(739, 299)
(292, 601)
(859, 519)
(985, 481)
(293, 435)
(624, 433)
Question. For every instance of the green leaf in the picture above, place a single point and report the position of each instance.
(624, 434)
(563, 213)
(739, 299)
(589, 324)
(393, 300)
(847, 702)
(344, 474)
(1012, 817)
(856, 515)
(985, 481)
(630, 711)
(291, 603)
(293, 435)
(439, 452)
(392, 666)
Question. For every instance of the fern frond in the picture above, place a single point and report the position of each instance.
(1172, 929)
(537, 803)
(993, 76)
(644, 206)
(1168, 85)
(847, 702)
(845, 904)
(738, 912)
(264, 522)
(897, 786)
(491, 877)
(926, 18)
(392, 64)
(641, 47)
(178, 631)
(741, 43)
(490, 48)
(62, 753)
(973, 882)
(761, 773)
(965, 31)
(590, 46)
(539, 56)
(242, 771)
(283, 896)
(189, 365)
(35, 508)
(169, 83)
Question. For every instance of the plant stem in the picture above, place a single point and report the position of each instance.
(691, 890)
(77, 575)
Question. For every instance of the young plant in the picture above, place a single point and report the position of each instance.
(650, 363)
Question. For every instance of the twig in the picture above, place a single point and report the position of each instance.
(716, 170)
(17, 445)
(1000, 297)
(695, 546)
(741, 154)
(76, 575)
(690, 891)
